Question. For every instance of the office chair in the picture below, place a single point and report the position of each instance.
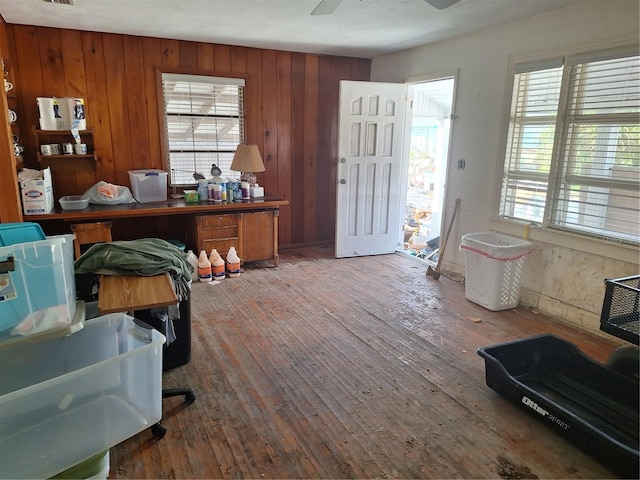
(158, 430)
(174, 355)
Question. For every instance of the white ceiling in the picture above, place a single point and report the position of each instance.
(357, 28)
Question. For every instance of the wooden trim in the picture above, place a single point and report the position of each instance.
(201, 72)
(10, 203)
(10, 206)
(162, 122)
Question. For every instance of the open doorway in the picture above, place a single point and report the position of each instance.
(430, 125)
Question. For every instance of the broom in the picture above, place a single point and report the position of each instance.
(435, 273)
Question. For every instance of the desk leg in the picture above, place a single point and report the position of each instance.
(276, 257)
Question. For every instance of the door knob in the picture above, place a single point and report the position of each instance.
(343, 160)
(342, 181)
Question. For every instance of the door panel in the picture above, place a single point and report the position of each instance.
(369, 169)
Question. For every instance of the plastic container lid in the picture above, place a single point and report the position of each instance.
(12, 233)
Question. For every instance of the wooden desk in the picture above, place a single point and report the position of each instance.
(170, 207)
(251, 226)
(122, 293)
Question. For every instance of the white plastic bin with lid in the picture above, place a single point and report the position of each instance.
(493, 266)
(148, 185)
(37, 286)
(65, 400)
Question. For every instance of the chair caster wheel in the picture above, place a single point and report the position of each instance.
(190, 397)
(158, 431)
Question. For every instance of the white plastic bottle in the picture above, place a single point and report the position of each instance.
(233, 263)
(193, 261)
(204, 267)
(217, 265)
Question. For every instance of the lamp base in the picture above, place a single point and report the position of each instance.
(248, 177)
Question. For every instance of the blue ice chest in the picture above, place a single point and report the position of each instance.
(37, 286)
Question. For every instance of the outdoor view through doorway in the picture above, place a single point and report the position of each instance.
(432, 103)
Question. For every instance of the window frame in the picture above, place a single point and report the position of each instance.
(561, 142)
(162, 117)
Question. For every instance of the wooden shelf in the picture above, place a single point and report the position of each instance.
(68, 163)
(65, 163)
(66, 156)
(61, 133)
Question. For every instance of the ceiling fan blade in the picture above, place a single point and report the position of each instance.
(441, 4)
(325, 7)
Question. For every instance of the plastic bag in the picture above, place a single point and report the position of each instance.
(103, 193)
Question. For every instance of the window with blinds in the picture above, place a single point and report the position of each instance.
(204, 119)
(534, 109)
(572, 158)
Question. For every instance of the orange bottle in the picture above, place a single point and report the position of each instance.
(204, 267)
(217, 265)
(233, 263)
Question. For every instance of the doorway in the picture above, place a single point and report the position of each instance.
(428, 151)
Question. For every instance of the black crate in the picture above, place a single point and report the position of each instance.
(592, 406)
(620, 311)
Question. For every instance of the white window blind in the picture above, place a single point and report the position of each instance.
(598, 184)
(573, 149)
(204, 118)
(534, 109)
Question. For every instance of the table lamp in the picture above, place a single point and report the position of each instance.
(247, 160)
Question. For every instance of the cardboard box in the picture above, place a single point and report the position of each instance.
(257, 192)
(37, 195)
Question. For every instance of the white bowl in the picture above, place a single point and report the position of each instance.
(74, 202)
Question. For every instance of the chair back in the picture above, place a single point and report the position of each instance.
(89, 233)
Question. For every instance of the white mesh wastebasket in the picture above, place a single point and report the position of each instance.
(493, 266)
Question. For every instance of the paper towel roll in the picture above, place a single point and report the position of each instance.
(46, 109)
(61, 113)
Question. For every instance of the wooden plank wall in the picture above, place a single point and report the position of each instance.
(292, 112)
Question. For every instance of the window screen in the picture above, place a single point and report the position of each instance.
(573, 149)
(204, 118)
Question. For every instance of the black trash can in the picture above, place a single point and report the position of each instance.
(178, 352)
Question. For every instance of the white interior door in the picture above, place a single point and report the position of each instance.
(371, 124)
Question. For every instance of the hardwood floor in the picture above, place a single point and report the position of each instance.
(350, 368)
